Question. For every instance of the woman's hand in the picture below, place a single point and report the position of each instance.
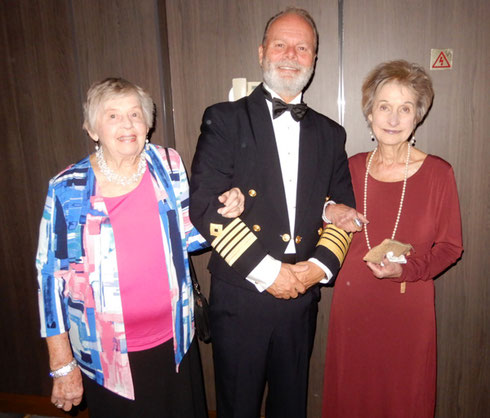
(386, 270)
(67, 390)
(345, 218)
(234, 203)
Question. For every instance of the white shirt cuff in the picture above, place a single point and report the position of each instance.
(265, 273)
(325, 219)
(328, 273)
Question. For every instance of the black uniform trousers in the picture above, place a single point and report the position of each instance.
(255, 336)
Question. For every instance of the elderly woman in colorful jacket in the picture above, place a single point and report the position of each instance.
(115, 295)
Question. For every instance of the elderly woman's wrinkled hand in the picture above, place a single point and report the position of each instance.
(386, 270)
(345, 217)
(234, 203)
(67, 390)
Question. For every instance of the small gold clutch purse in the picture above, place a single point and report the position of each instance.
(376, 254)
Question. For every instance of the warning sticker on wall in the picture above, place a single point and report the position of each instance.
(441, 59)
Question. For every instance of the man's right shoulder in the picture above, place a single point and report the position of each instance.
(227, 108)
(325, 119)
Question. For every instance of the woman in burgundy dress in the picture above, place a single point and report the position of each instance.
(381, 352)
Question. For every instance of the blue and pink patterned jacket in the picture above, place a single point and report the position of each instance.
(77, 267)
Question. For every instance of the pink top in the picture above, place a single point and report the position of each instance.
(143, 278)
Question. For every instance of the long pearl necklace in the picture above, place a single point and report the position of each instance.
(401, 199)
(117, 178)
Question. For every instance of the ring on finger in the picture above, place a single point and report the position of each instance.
(358, 222)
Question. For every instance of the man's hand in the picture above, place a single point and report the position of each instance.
(385, 270)
(286, 285)
(344, 217)
(234, 203)
(308, 273)
(67, 390)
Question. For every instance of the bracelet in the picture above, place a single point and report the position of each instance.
(328, 202)
(63, 371)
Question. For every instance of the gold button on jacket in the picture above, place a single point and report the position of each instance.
(298, 239)
(286, 237)
(256, 228)
(252, 193)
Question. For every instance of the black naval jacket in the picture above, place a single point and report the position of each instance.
(237, 148)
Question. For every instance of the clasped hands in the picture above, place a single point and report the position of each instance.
(295, 279)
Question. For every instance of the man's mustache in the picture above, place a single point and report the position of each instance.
(286, 63)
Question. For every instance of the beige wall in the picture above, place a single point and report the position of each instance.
(53, 49)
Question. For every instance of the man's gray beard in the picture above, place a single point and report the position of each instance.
(288, 87)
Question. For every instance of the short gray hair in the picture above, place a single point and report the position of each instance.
(405, 73)
(109, 88)
(293, 11)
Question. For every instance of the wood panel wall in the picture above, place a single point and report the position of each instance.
(52, 50)
(40, 114)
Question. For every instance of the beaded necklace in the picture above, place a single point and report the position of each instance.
(117, 178)
(401, 198)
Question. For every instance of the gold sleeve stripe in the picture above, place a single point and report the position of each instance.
(225, 231)
(336, 240)
(233, 241)
(238, 237)
(332, 228)
(229, 235)
(240, 249)
(343, 236)
(333, 248)
(339, 239)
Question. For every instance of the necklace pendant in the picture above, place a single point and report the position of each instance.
(403, 287)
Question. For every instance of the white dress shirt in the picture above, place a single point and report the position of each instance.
(286, 132)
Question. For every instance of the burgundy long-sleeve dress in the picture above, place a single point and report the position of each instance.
(381, 349)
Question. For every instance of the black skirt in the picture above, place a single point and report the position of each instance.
(159, 390)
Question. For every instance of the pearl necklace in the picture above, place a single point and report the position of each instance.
(117, 178)
(401, 199)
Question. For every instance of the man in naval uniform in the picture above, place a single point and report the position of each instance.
(287, 161)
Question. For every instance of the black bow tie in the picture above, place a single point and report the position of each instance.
(298, 110)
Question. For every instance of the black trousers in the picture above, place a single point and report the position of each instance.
(159, 390)
(258, 339)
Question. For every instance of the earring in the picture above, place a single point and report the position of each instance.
(97, 145)
(147, 144)
(412, 141)
(372, 136)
